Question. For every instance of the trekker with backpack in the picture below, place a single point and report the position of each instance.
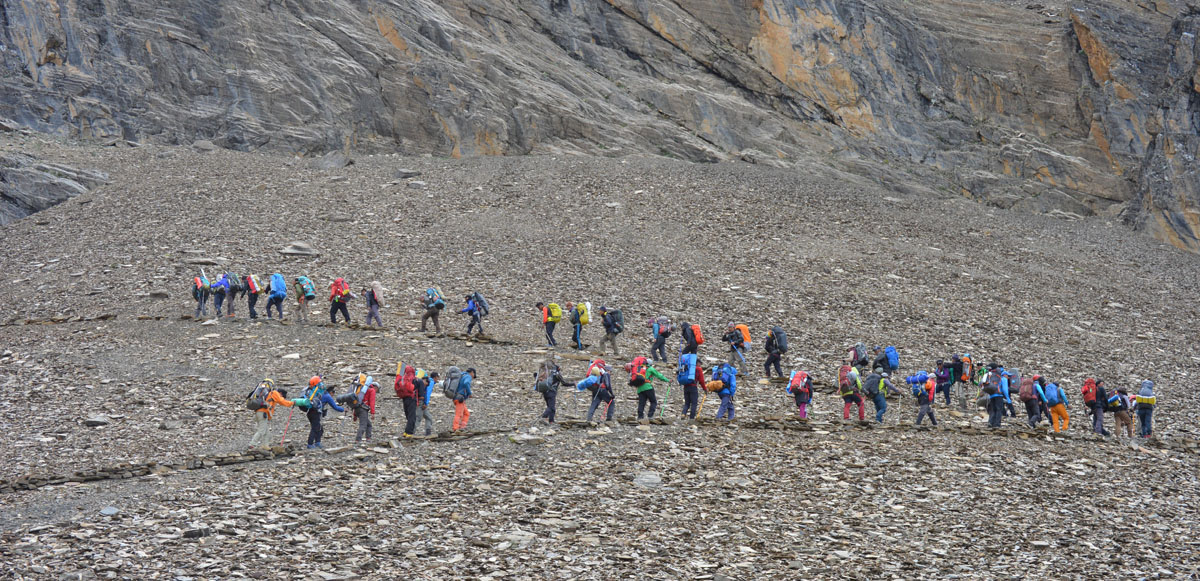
(546, 382)
(315, 399)
(462, 392)
(306, 292)
(424, 388)
(727, 375)
(1121, 412)
(613, 325)
(660, 330)
(641, 378)
(801, 387)
(551, 315)
(473, 309)
(339, 295)
(374, 302)
(1144, 406)
(1056, 398)
(277, 293)
(995, 386)
(253, 288)
(433, 303)
(364, 410)
(406, 389)
(924, 402)
(775, 351)
(263, 399)
(880, 363)
(877, 387)
(579, 318)
(857, 357)
(692, 337)
(1029, 392)
(201, 290)
(1099, 407)
(219, 290)
(237, 287)
(737, 344)
(942, 380)
(690, 376)
(601, 388)
(851, 392)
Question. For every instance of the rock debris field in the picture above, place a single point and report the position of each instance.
(126, 432)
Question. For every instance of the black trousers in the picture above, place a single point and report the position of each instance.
(410, 414)
(647, 396)
(336, 306)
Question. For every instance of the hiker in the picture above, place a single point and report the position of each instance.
(880, 363)
(613, 325)
(737, 344)
(924, 400)
(1121, 412)
(278, 292)
(201, 289)
(219, 290)
(374, 302)
(995, 387)
(641, 378)
(433, 303)
(551, 315)
(1099, 408)
(851, 392)
(265, 397)
(339, 295)
(461, 394)
(306, 292)
(801, 387)
(424, 387)
(237, 287)
(602, 390)
(364, 411)
(315, 400)
(963, 376)
(690, 376)
(943, 379)
(774, 354)
(691, 338)
(253, 289)
(857, 357)
(472, 309)
(727, 375)
(546, 382)
(1029, 392)
(1056, 398)
(406, 390)
(877, 387)
(1144, 406)
(660, 330)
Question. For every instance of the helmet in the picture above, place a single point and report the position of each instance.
(314, 381)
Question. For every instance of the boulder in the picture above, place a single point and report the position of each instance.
(299, 249)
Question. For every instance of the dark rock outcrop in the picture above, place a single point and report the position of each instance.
(28, 185)
(1072, 109)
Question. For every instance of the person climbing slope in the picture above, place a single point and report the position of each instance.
(339, 295)
(314, 401)
(264, 398)
(641, 378)
(374, 297)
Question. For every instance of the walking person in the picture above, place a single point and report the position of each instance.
(1056, 398)
(1030, 394)
(727, 375)
(546, 381)
(925, 401)
(602, 394)
(995, 387)
(473, 310)
(374, 302)
(253, 289)
(364, 411)
(1121, 413)
(1099, 406)
(315, 400)
(691, 377)
(406, 389)
(1144, 405)
(219, 290)
(551, 315)
(424, 387)
(801, 388)
(774, 354)
(641, 378)
(306, 292)
(237, 287)
(461, 394)
(613, 326)
(433, 303)
(265, 397)
(277, 294)
(877, 387)
(943, 378)
(737, 344)
(201, 290)
(851, 392)
(339, 295)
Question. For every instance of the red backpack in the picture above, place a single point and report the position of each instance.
(1089, 390)
(637, 372)
(843, 376)
(799, 384)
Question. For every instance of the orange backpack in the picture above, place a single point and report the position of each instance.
(1089, 390)
(745, 331)
(697, 334)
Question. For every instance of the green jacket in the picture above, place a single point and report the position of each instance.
(651, 374)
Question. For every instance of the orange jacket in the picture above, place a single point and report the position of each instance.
(272, 399)
(545, 315)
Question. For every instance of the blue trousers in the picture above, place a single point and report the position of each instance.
(880, 407)
(726, 407)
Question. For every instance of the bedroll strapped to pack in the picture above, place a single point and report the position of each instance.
(307, 286)
(745, 331)
(434, 299)
(687, 369)
(253, 285)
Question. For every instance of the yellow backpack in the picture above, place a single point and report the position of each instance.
(555, 314)
(583, 309)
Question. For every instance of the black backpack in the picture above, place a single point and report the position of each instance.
(618, 320)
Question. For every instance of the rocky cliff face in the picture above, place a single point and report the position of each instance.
(1071, 109)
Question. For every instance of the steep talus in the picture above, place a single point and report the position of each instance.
(1069, 109)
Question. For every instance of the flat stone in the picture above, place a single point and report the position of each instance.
(299, 249)
(109, 511)
(96, 421)
(648, 480)
(403, 174)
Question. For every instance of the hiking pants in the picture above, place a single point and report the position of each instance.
(1098, 418)
(1046, 412)
(550, 342)
(475, 320)
(315, 429)
(218, 301)
(801, 404)
(1145, 421)
(852, 400)
(602, 396)
(229, 304)
(551, 405)
(373, 313)
(610, 338)
(578, 337)
(1012, 412)
(251, 301)
(301, 308)
(461, 415)
(647, 396)
(277, 303)
(691, 400)
(334, 308)
(202, 305)
(364, 424)
(262, 429)
(1033, 409)
(658, 351)
(431, 313)
(726, 407)
(880, 406)
(943, 388)
(428, 419)
(1058, 413)
(926, 410)
(735, 358)
(962, 396)
(995, 408)
(773, 359)
(1123, 420)
(410, 414)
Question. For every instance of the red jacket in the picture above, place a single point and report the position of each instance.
(369, 399)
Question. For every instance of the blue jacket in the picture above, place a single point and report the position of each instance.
(654, 332)
(428, 391)
(729, 376)
(470, 307)
(464, 386)
(1003, 391)
(223, 282)
(1037, 387)
(609, 324)
(327, 399)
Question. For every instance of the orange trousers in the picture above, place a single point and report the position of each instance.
(1058, 413)
(461, 415)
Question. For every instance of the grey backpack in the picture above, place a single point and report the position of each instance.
(450, 384)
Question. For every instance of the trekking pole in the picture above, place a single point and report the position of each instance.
(286, 424)
(663, 410)
(701, 408)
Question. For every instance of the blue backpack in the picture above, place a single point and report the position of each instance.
(687, 369)
(893, 358)
(1052, 395)
(278, 286)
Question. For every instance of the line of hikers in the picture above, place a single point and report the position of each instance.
(413, 386)
(229, 286)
